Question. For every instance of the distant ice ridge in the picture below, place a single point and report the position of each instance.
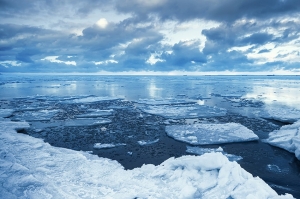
(184, 111)
(201, 151)
(198, 134)
(166, 101)
(287, 137)
(279, 112)
(31, 168)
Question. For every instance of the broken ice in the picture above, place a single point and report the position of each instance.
(198, 134)
(287, 137)
(167, 101)
(5, 112)
(106, 146)
(93, 113)
(86, 122)
(184, 111)
(42, 115)
(91, 99)
(147, 142)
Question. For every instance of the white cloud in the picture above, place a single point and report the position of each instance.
(54, 59)
(102, 23)
(154, 57)
(7, 64)
(110, 61)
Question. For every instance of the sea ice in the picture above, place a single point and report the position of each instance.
(287, 137)
(6, 112)
(198, 134)
(201, 151)
(279, 113)
(91, 99)
(42, 115)
(106, 146)
(86, 122)
(184, 111)
(167, 101)
(93, 113)
(31, 168)
(147, 142)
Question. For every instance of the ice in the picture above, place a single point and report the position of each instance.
(198, 134)
(184, 111)
(91, 99)
(93, 113)
(201, 151)
(107, 146)
(280, 113)
(86, 122)
(287, 137)
(42, 115)
(147, 142)
(167, 101)
(31, 168)
(6, 112)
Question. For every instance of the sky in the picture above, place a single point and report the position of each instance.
(157, 36)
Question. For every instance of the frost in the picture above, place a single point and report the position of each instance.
(198, 134)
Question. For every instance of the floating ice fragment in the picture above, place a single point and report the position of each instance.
(147, 142)
(94, 113)
(167, 101)
(107, 146)
(91, 99)
(201, 151)
(42, 115)
(87, 122)
(287, 137)
(279, 113)
(6, 112)
(198, 134)
(184, 111)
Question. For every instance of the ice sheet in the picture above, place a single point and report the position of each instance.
(86, 122)
(287, 137)
(184, 111)
(41, 115)
(201, 151)
(31, 168)
(198, 134)
(167, 101)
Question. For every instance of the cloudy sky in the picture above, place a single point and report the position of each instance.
(142, 35)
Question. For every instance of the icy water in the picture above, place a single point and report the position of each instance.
(111, 116)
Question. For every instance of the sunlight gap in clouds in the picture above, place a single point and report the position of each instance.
(55, 60)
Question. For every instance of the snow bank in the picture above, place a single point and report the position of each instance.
(287, 137)
(184, 111)
(211, 133)
(30, 168)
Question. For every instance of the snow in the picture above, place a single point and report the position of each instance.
(184, 111)
(280, 113)
(86, 122)
(167, 101)
(201, 151)
(91, 99)
(147, 142)
(6, 112)
(31, 168)
(41, 115)
(198, 134)
(287, 137)
(106, 146)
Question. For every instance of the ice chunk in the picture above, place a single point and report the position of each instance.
(95, 113)
(31, 168)
(6, 112)
(147, 142)
(287, 137)
(42, 115)
(280, 113)
(201, 151)
(166, 101)
(106, 146)
(86, 122)
(91, 99)
(184, 111)
(211, 133)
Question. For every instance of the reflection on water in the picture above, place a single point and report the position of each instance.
(275, 89)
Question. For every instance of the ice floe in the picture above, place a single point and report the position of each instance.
(287, 137)
(167, 101)
(184, 111)
(6, 112)
(147, 142)
(86, 122)
(91, 99)
(93, 113)
(41, 115)
(107, 146)
(279, 113)
(31, 168)
(201, 151)
(198, 134)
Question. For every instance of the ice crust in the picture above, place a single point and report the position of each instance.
(198, 134)
(201, 151)
(31, 168)
(184, 111)
(287, 137)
